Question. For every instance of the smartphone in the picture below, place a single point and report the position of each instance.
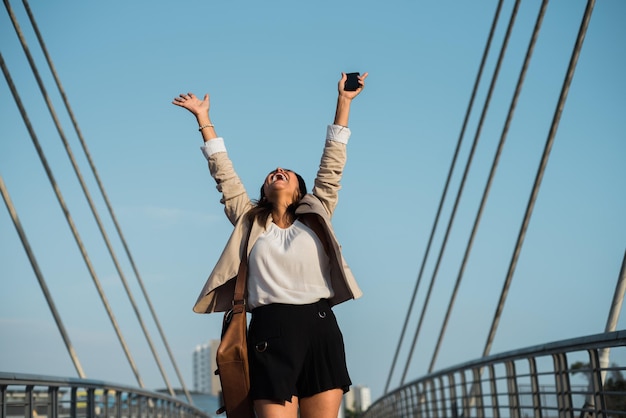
(352, 82)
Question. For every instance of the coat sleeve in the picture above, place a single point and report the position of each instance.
(234, 196)
(327, 182)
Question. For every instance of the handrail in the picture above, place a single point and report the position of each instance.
(533, 381)
(29, 395)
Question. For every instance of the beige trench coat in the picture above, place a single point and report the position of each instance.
(314, 209)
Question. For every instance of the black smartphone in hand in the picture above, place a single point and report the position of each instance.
(352, 82)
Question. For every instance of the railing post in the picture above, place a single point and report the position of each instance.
(477, 392)
(53, 402)
(152, 405)
(464, 394)
(118, 404)
(494, 391)
(413, 399)
(596, 381)
(454, 404)
(428, 405)
(427, 398)
(28, 398)
(91, 403)
(128, 403)
(158, 410)
(73, 402)
(3, 401)
(105, 401)
(138, 400)
(408, 405)
(443, 395)
(534, 386)
(563, 390)
(511, 382)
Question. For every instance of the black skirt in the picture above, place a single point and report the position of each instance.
(295, 350)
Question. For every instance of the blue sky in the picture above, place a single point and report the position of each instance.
(271, 69)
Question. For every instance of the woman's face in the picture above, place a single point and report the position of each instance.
(281, 182)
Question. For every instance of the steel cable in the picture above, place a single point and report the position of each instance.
(494, 166)
(445, 190)
(107, 203)
(540, 171)
(462, 184)
(64, 207)
(71, 224)
(33, 262)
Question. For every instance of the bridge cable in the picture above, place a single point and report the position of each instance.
(494, 166)
(445, 191)
(614, 312)
(108, 205)
(58, 193)
(494, 79)
(540, 171)
(37, 270)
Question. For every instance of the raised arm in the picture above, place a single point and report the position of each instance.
(344, 99)
(200, 109)
(234, 197)
(327, 182)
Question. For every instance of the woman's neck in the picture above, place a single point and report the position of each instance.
(282, 218)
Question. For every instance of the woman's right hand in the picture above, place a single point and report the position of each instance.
(193, 104)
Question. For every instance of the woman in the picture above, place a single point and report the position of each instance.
(296, 272)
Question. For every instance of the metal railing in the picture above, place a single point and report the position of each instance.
(32, 396)
(570, 378)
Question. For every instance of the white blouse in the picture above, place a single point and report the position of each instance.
(288, 266)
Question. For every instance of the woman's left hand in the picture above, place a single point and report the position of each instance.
(347, 93)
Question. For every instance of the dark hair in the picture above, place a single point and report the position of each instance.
(263, 207)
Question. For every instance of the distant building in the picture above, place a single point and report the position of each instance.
(358, 399)
(204, 366)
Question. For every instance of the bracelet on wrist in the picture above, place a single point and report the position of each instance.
(207, 125)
